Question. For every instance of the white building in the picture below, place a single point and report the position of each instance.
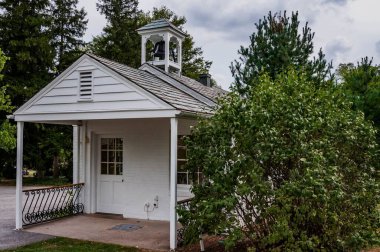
(126, 123)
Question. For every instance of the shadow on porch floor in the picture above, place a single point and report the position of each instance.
(149, 234)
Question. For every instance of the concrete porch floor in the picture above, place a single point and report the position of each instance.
(153, 235)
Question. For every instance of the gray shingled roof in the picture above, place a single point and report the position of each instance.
(158, 87)
(160, 23)
(212, 93)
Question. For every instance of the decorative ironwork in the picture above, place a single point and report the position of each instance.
(46, 204)
(183, 205)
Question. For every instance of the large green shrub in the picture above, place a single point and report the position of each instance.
(290, 167)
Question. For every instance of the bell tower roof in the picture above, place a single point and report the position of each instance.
(160, 24)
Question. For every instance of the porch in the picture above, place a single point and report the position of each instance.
(144, 187)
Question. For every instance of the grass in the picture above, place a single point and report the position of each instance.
(31, 181)
(60, 244)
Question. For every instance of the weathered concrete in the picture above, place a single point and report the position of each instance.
(152, 234)
(10, 238)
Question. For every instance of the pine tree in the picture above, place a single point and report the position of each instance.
(119, 40)
(68, 28)
(26, 40)
(276, 46)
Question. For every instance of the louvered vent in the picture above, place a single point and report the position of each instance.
(85, 85)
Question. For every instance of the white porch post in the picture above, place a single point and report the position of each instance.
(173, 182)
(76, 154)
(19, 164)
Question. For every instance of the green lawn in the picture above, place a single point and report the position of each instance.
(69, 245)
(28, 181)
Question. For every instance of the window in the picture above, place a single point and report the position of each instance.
(111, 157)
(85, 85)
(185, 177)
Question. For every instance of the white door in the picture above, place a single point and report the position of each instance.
(111, 175)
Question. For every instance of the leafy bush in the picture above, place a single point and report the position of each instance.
(290, 167)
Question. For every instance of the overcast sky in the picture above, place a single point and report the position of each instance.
(345, 29)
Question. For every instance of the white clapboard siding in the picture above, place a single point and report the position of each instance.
(109, 92)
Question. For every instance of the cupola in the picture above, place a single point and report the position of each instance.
(161, 45)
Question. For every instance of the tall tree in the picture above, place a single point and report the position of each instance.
(291, 167)
(275, 46)
(7, 131)
(26, 40)
(362, 85)
(68, 27)
(119, 40)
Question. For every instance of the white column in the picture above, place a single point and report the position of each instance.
(180, 56)
(76, 136)
(173, 182)
(19, 164)
(143, 49)
(167, 42)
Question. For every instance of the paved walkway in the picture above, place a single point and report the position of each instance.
(153, 235)
(9, 238)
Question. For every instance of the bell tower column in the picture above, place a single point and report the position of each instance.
(143, 49)
(167, 42)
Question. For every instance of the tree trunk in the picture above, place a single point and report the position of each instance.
(55, 167)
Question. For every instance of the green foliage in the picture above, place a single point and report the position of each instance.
(119, 40)
(7, 131)
(41, 38)
(362, 85)
(26, 40)
(291, 167)
(68, 27)
(276, 46)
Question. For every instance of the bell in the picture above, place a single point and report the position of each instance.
(159, 50)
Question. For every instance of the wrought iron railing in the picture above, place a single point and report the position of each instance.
(183, 205)
(45, 204)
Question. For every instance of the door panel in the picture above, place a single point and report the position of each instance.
(111, 181)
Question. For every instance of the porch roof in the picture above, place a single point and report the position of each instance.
(161, 95)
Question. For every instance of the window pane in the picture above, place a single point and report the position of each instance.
(103, 169)
(181, 166)
(119, 156)
(119, 169)
(191, 178)
(181, 141)
(111, 169)
(111, 143)
(182, 178)
(181, 153)
(119, 143)
(111, 156)
(104, 143)
(104, 156)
